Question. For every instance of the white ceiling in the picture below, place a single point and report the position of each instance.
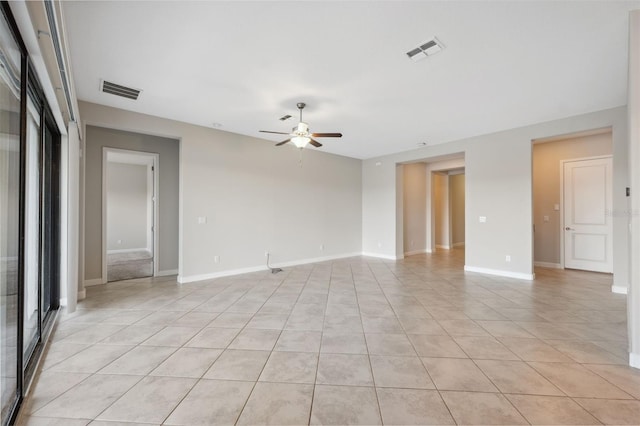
(245, 64)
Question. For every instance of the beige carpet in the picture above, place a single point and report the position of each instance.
(126, 266)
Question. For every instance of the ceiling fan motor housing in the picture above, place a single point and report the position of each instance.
(302, 129)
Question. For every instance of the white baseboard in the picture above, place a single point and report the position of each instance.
(548, 265)
(167, 273)
(428, 250)
(500, 273)
(634, 360)
(379, 256)
(128, 250)
(315, 260)
(230, 272)
(440, 246)
(202, 277)
(458, 244)
(82, 295)
(411, 253)
(63, 301)
(93, 281)
(619, 289)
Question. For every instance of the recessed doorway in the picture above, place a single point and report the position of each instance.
(129, 206)
(572, 201)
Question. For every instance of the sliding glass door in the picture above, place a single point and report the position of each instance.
(10, 216)
(31, 229)
(29, 218)
(50, 226)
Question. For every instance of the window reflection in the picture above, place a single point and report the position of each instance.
(9, 215)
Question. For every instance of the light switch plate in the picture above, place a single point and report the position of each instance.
(482, 219)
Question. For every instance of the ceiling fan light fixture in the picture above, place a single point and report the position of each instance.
(300, 141)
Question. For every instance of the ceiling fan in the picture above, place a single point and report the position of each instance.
(300, 135)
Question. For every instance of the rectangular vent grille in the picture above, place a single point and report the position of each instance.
(285, 117)
(119, 90)
(427, 48)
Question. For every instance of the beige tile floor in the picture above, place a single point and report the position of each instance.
(354, 341)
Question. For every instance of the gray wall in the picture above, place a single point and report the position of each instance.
(440, 200)
(456, 198)
(547, 191)
(498, 186)
(127, 196)
(168, 176)
(255, 197)
(415, 206)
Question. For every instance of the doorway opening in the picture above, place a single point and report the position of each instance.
(130, 211)
(572, 201)
(433, 206)
(447, 206)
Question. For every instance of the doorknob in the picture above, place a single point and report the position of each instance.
(569, 229)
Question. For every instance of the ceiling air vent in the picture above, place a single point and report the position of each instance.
(427, 48)
(285, 117)
(119, 90)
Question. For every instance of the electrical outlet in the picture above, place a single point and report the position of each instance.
(379, 244)
(507, 258)
(266, 254)
(216, 259)
(321, 247)
(119, 241)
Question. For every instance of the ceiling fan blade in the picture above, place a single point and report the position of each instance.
(326, 135)
(277, 133)
(283, 142)
(315, 143)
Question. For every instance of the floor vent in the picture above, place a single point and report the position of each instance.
(119, 90)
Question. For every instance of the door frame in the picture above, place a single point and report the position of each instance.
(561, 222)
(155, 158)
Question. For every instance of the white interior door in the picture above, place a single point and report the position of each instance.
(588, 225)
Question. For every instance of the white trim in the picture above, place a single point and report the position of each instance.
(128, 250)
(92, 282)
(63, 301)
(167, 273)
(619, 289)
(500, 273)
(82, 294)
(103, 219)
(413, 252)
(379, 256)
(202, 277)
(548, 265)
(458, 244)
(429, 251)
(441, 246)
(634, 360)
(156, 192)
(315, 260)
(227, 273)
